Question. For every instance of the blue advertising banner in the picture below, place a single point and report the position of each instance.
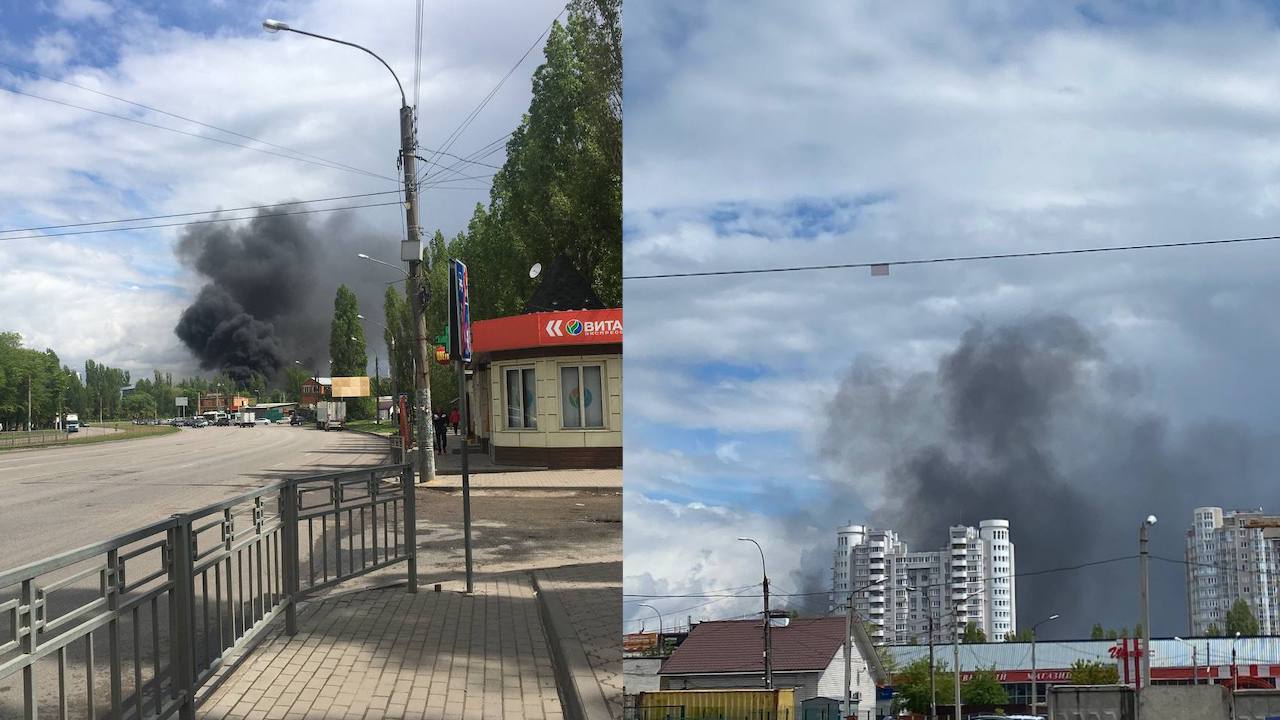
(459, 312)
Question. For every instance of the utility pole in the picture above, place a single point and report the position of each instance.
(848, 654)
(411, 250)
(955, 649)
(933, 691)
(377, 392)
(28, 402)
(1144, 653)
(768, 650)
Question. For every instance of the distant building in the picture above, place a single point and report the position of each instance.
(314, 389)
(808, 655)
(1233, 554)
(224, 403)
(971, 579)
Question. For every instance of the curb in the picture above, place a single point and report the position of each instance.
(580, 694)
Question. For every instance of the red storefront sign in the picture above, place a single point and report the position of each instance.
(548, 329)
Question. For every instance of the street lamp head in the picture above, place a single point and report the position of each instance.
(1054, 617)
(273, 26)
(362, 256)
(359, 316)
(747, 539)
(535, 270)
(1151, 520)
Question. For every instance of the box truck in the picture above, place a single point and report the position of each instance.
(245, 419)
(73, 423)
(331, 415)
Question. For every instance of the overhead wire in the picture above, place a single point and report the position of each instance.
(198, 222)
(184, 118)
(955, 258)
(325, 164)
(200, 212)
(466, 122)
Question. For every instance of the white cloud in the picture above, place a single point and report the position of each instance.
(728, 452)
(64, 165)
(53, 49)
(75, 10)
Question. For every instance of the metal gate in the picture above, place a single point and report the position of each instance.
(135, 627)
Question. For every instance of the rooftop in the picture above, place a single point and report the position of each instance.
(736, 646)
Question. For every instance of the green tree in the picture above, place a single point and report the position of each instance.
(1213, 630)
(347, 348)
(1092, 672)
(1097, 633)
(983, 689)
(912, 685)
(138, 405)
(973, 634)
(1240, 619)
(1023, 635)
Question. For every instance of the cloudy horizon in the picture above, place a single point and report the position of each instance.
(116, 297)
(860, 132)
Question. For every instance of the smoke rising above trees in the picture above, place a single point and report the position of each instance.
(1033, 422)
(270, 285)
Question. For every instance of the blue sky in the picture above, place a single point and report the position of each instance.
(115, 297)
(780, 406)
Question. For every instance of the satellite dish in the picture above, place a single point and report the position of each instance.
(535, 270)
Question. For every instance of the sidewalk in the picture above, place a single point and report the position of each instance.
(535, 480)
(583, 608)
(388, 654)
(538, 639)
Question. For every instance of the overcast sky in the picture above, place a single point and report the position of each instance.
(764, 134)
(115, 297)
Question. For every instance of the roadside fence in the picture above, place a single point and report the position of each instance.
(138, 625)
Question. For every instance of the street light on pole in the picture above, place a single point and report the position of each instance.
(659, 613)
(849, 617)
(768, 664)
(410, 252)
(1055, 616)
(1195, 664)
(1143, 560)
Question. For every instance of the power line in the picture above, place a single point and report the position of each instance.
(201, 212)
(484, 151)
(957, 258)
(126, 118)
(466, 122)
(948, 583)
(334, 163)
(200, 222)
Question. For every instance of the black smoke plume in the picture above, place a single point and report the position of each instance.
(271, 283)
(1032, 422)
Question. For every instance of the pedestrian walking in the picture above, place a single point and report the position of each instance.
(441, 426)
(454, 417)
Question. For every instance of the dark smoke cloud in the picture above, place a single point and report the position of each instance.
(271, 285)
(1032, 421)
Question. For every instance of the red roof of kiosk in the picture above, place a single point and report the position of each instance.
(547, 329)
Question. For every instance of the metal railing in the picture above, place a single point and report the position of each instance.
(173, 601)
(31, 438)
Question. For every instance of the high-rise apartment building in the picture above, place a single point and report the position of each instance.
(969, 581)
(1231, 555)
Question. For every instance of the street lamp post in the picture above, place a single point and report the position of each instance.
(1143, 591)
(1195, 663)
(1033, 659)
(391, 365)
(659, 613)
(768, 660)
(410, 252)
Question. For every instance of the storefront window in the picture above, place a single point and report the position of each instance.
(581, 396)
(522, 399)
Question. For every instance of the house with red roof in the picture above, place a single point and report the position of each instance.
(808, 655)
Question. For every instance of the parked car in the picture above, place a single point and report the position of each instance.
(200, 423)
(297, 420)
(262, 421)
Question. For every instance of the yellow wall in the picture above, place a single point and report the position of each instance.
(549, 432)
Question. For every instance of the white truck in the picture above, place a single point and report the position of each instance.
(331, 415)
(73, 423)
(245, 419)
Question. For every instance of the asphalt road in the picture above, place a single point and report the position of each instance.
(57, 499)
